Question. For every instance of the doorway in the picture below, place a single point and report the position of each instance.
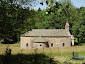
(63, 44)
(51, 44)
(47, 44)
(71, 43)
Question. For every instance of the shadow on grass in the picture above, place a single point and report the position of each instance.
(21, 58)
(26, 59)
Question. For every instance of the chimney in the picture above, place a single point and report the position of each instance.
(67, 26)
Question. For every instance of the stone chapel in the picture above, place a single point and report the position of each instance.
(41, 38)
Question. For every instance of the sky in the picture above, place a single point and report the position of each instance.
(76, 3)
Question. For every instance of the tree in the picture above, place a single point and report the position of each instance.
(82, 24)
(14, 23)
(48, 2)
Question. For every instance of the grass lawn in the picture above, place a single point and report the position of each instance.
(61, 54)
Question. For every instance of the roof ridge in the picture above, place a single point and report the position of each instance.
(48, 29)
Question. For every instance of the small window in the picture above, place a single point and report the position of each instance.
(51, 44)
(63, 44)
(26, 44)
(40, 45)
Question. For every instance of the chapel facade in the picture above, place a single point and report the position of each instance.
(41, 38)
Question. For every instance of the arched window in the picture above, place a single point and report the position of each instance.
(63, 44)
(51, 44)
(26, 44)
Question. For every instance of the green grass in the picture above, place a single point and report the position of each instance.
(18, 42)
(61, 54)
(82, 44)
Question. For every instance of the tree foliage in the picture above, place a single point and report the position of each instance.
(16, 20)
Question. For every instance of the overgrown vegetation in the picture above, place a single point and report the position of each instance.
(49, 56)
(26, 59)
(16, 20)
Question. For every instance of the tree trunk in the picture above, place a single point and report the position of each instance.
(78, 41)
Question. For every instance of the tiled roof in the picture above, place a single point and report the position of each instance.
(46, 32)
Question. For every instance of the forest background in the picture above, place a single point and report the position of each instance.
(16, 18)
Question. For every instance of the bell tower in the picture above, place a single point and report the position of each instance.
(67, 26)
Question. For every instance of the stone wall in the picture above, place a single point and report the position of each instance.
(27, 42)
